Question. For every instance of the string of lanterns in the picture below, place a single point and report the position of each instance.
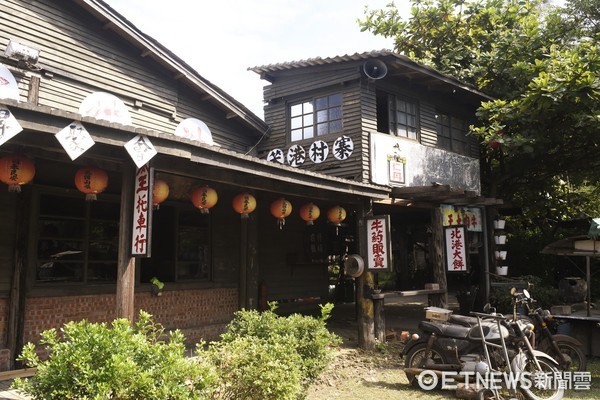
(17, 170)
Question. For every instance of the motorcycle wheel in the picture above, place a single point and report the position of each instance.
(553, 392)
(578, 361)
(416, 359)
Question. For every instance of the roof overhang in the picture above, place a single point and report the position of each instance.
(433, 196)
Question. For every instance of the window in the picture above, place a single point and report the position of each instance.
(397, 116)
(452, 134)
(78, 240)
(180, 246)
(317, 117)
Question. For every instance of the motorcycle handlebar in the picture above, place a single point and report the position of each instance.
(490, 316)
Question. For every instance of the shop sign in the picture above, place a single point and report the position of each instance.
(469, 217)
(379, 254)
(75, 139)
(141, 150)
(9, 126)
(456, 255)
(142, 212)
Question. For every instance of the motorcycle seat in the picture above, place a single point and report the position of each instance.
(463, 320)
(448, 330)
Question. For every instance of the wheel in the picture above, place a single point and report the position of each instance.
(539, 388)
(575, 360)
(416, 359)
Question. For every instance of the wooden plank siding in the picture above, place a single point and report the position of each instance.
(80, 56)
(8, 211)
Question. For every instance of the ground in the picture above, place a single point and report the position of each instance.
(357, 375)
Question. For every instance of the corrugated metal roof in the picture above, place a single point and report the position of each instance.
(395, 60)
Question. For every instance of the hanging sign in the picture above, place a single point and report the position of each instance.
(8, 85)
(379, 251)
(9, 126)
(276, 155)
(106, 106)
(142, 212)
(343, 147)
(141, 150)
(194, 129)
(75, 139)
(469, 217)
(456, 255)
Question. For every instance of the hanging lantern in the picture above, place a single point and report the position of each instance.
(204, 198)
(244, 204)
(336, 215)
(280, 209)
(91, 181)
(16, 170)
(160, 192)
(309, 213)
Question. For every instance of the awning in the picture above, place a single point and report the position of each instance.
(574, 246)
(437, 194)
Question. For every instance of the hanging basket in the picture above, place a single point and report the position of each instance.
(500, 239)
(502, 270)
(501, 255)
(499, 224)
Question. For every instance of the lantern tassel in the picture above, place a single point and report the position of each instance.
(245, 216)
(204, 211)
(281, 222)
(91, 197)
(16, 188)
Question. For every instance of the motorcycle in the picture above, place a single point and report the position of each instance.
(497, 347)
(565, 349)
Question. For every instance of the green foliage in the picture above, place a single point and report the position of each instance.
(306, 335)
(98, 361)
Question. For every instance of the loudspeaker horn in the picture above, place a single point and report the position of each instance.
(354, 265)
(375, 69)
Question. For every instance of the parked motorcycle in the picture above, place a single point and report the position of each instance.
(496, 347)
(565, 349)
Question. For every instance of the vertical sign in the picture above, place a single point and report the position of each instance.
(142, 212)
(456, 255)
(379, 254)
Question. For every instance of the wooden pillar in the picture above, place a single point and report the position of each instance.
(16, 305)
(439, 268)
(126, 263)
(243, 285)
(364, 288)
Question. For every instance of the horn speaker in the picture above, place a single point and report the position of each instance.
(375, 69)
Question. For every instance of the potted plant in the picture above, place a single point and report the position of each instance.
(157, 286)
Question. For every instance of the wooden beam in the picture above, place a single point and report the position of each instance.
(439, 268)
(230, 115)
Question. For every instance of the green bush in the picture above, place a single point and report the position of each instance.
(97, 361)
(305, 335)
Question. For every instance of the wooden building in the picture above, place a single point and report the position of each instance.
(407, 126)
(82, 89)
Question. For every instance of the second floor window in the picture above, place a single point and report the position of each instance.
(317, 117)
(397, 116)
(452, 134)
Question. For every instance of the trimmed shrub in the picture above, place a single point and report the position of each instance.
(97, 361)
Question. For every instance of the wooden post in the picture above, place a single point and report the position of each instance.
(378, 300)
(243, 285)
(126, 265)
(364, 288)
(439, 267)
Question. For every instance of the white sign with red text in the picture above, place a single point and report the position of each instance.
(142, 212)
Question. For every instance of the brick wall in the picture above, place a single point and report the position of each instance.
(199, 314)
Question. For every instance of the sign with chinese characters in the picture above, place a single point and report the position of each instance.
(141, 150)
(343, 147)
(75, 139)
(296, 155)
(456, 254)
(194, 129)
(276, 155)
(318, 151)
(8, 85)
(379, 251)
(9, 126)
(142, 212)
(397, 171)
(470, 217)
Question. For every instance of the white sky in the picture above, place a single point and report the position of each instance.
(221, 39)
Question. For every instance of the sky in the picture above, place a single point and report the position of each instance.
(221, 39)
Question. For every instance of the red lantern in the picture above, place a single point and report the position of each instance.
(160, 192)
(336, 215)
(309, 213)
(280, 209)
(204, 198)
(16, 170)
(244, 204)
(91, 181)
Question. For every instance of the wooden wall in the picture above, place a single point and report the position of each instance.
(80, 56)
(8, 212)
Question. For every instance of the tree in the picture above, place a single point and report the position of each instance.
(541, 136)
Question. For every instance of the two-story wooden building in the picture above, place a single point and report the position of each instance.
(380, 118)
(87, 101)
